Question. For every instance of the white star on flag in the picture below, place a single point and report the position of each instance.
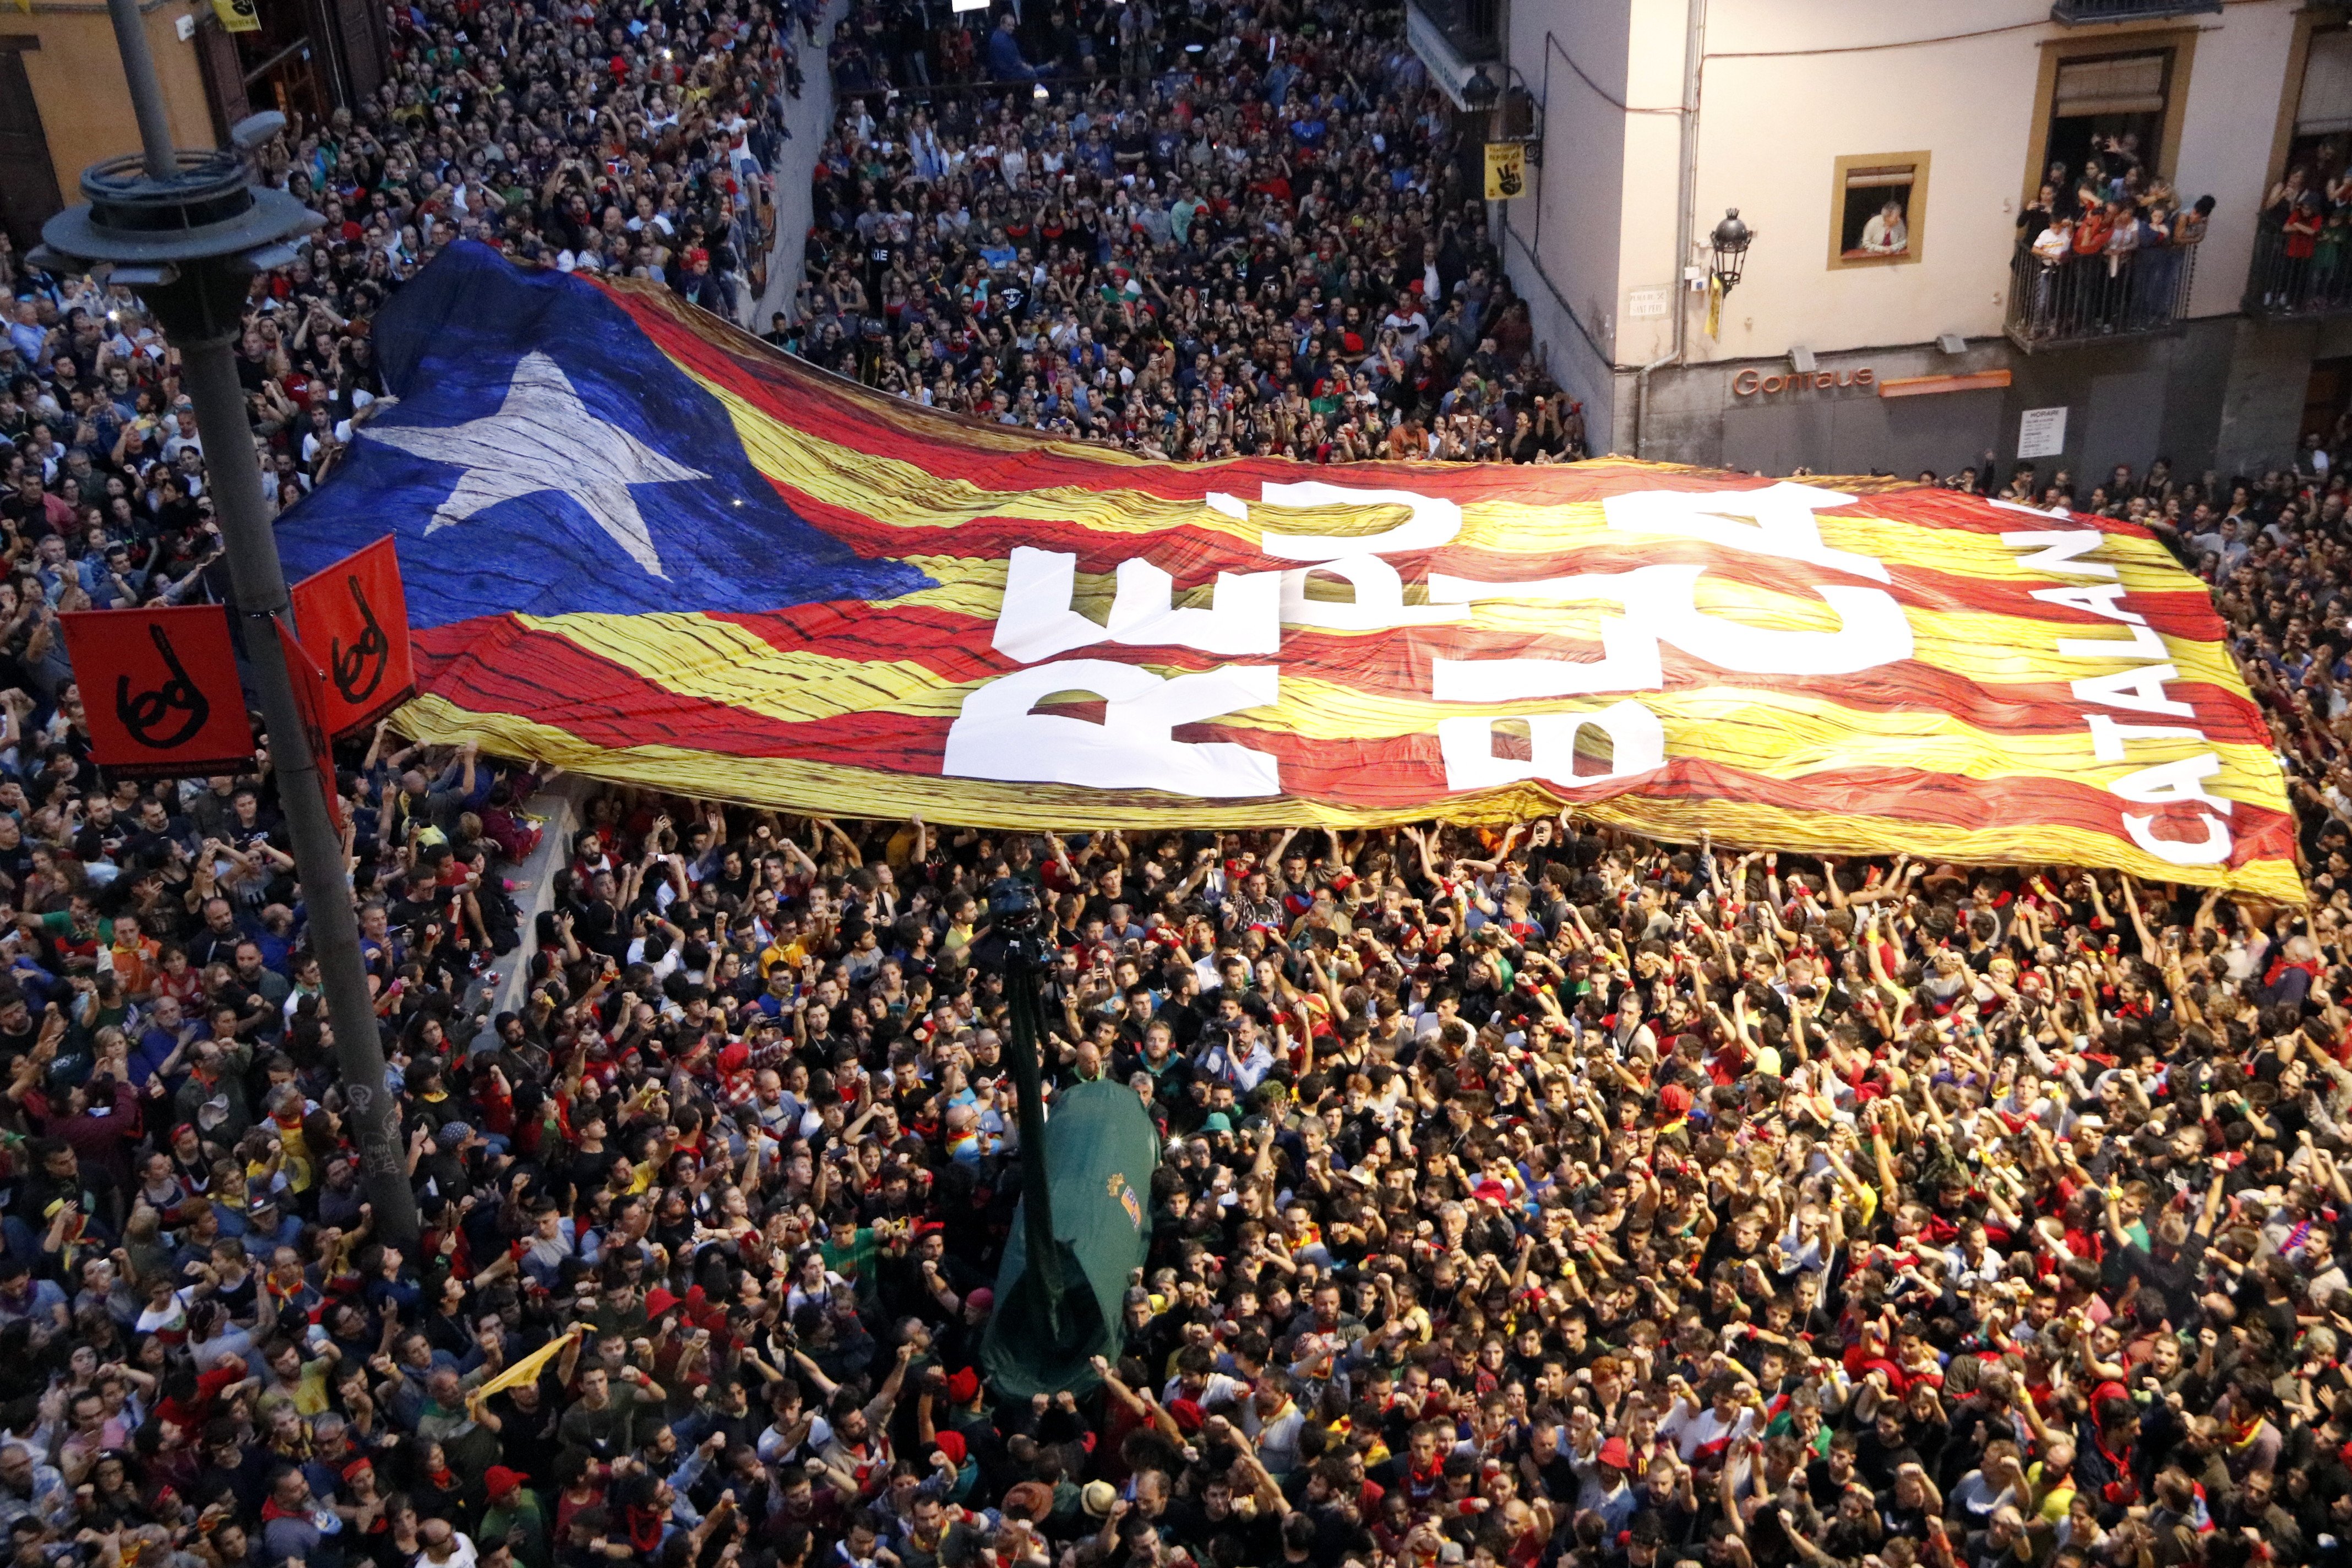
(543, 438)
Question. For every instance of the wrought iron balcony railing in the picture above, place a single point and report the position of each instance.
(2076, 12)
(1472, 28)
(2299, 274)
(2097, 298)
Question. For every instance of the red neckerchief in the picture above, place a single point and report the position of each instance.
(2124, 1490)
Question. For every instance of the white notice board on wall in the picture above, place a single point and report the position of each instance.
(2041, 433)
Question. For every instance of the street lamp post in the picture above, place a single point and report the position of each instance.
(1729, 242)
(188, 232)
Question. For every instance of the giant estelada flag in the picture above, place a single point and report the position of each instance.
(645, 545)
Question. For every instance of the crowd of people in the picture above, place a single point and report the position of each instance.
(617, 139)
(1194, 232)
(2299, 239)
(2109, 247)
(1534, 1197)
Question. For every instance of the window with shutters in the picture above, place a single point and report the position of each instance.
(2321, 146)
(1878, 209)
(2108, 117)
(2303, 228)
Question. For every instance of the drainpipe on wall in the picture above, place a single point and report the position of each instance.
(1686, 200)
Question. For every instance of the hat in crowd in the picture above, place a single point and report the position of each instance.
(963, 1385)
(501, 1481)
(984, 1298)
(658, 1300)
(1188, 1413)
(1218, 1122)
(454, 1134)
(1097, 1497)
(1616, 1455)
(952, 1444)
(1673, 1101)
(1030, 1500)
(1491, 1191)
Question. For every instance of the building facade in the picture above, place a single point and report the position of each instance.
(1888, 159)
(63, 104)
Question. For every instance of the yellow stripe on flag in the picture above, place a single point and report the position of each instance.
(797, 785)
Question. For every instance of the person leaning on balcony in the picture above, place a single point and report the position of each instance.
(2123, 237)
(2303, 225)
(2098, 225)
(2051, 247)
(2188, 228)
(2036, 217)
(2280, 205)
(2055, 242)
(2159, 269)
(2327, 259)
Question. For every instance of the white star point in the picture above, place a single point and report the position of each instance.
(543, 438)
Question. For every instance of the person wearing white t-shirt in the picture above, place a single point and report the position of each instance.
(1706, 1428)
(445, 1546)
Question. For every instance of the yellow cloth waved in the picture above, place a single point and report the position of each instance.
(528, 1368)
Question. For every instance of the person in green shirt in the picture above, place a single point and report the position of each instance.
(514, 1514)
(851, 1255)
(604, 1422)
(79, 930)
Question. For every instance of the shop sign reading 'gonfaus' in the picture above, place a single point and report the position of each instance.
(1750, 382)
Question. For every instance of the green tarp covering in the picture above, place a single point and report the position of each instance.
(1100, 1150)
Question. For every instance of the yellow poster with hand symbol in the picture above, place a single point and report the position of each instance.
(1507, 170)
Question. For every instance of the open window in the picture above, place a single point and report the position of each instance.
(2322, 136)
(1878, 205)
(2109, 109)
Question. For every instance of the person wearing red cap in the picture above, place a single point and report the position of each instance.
(1604, 1468)
(512, 1513)
(961, 1410)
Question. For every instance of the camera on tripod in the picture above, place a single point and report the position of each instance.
(1015, 940)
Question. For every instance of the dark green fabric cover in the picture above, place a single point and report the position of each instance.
(1100, 1151)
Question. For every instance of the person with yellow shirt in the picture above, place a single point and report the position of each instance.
(297, 1381)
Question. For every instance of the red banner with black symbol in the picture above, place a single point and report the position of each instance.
(313, 694)
(160, 690)
(354, 614)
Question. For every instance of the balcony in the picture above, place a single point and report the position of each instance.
(2082, 299)
(2074, 13)
(1472, 29)
(2283, 286)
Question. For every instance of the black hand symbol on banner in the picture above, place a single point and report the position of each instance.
(359, 669)
(146, 714)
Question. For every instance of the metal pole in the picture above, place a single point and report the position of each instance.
(1045, 1262)
(146, 91)
(190, 238)
(208, 373)
(1685, 214)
